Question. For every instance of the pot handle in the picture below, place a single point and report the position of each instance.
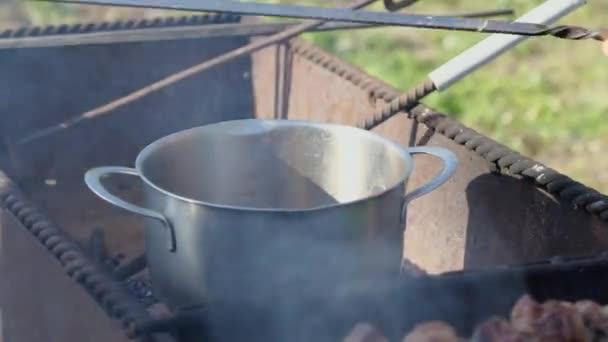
(92, 178)
(450, 162)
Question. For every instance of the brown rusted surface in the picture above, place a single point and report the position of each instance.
(67, 81)
(477, 219)
(82, 77)
(38, 301)
(123, 231)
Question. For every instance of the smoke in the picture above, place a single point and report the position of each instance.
(296, 280)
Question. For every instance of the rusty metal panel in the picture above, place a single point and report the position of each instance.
(477, 219)
(462, 224)
(38, 301)
(44, 86)
(281, 84)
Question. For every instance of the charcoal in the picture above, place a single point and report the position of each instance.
(141, 289)
(559, 321)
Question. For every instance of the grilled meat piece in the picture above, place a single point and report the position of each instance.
(531, 321)
(433, 332)
(595, 318)
(561, 322)
(365, 332)
(497, 329)
(525, 312)
(550, 321)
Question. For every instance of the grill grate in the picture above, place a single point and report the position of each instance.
(125, 297)
(160, 22)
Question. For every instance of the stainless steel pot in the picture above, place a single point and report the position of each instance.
(272, 212)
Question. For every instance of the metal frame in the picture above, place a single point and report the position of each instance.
(101, 285)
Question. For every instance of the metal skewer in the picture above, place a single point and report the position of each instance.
(364, 17)
(189, 32)
(183, 74)
(250, 48)
(475, 57)
(440, 79)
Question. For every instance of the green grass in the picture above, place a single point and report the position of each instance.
(546, 98)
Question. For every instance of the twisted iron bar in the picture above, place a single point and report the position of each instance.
(503, 159)
(103, 288)
(510, 162)
(410, 99)
(577, 33)
(402, 103)
(38, 31)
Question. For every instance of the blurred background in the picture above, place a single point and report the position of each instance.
(548, 98)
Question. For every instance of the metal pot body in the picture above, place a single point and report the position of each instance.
(265, 273)
(269, 219)
(224, 253)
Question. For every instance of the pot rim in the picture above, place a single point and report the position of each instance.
(150, 148)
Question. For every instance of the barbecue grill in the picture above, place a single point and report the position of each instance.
(72, 266)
